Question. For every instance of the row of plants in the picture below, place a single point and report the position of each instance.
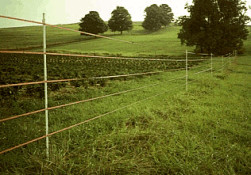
(19, 68)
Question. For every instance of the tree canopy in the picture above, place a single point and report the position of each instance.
(214, 26)
(157, 16)
(167, 15)
(120, 20)
(92, 23)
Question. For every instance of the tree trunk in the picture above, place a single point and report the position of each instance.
(121, 32)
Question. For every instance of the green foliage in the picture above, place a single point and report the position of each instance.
(217, 27)
(92, 23)
(157, 16)
(153, 18)
(167, 15)
(16, 68)
(120, 20)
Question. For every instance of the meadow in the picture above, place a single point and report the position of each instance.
(162, 42)
(205, 130)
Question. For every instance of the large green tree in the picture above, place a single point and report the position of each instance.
(92, 23)
(215, 26)
(153, 18)
(120, 20)
(167, 15)
(157, 16)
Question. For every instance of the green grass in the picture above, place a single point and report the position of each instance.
(247, 44)
(205, 130)
(163, 42)
(32, 37)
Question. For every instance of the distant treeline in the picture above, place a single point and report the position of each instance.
(156, 18)
(213, 26)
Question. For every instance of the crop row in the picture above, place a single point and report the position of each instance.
(19, 68)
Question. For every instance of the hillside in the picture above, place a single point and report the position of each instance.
(144, 124)
(164, 42)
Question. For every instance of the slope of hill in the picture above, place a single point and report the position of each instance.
(163, 42)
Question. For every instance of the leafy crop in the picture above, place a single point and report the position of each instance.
(16, 68)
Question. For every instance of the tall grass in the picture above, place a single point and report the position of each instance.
(202, 131)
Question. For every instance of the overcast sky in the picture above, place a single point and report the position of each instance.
(71, 11)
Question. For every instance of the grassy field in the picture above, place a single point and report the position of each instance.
(205, 130)
(29, 37)
(163, 42)
(247, 44)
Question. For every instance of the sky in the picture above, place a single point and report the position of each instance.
(71, 11)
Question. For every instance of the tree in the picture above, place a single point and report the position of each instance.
(120, 20)
(167, 15)
(214, 26)
(157, 16)
(92, 23)
(153, 18)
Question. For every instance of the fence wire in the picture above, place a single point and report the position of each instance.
(77, 79)
(82, 101)
(94, 118)
(96, 56)
(103, 77)
(68, 29)
(86, 121)
(87, 100)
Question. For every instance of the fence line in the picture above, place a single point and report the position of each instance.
(86, 121)
(102, 77)
(192, 67)
(222, 67)
(82, 101)
(96, 56)
(55, 107)
(87, 100)
(202, 54)
(202, 71)
(47, 135)
(211, 66)
(76, 79)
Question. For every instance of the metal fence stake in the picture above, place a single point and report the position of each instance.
(186, 71)
(45, 88)
(222, 64)
(211, 64)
